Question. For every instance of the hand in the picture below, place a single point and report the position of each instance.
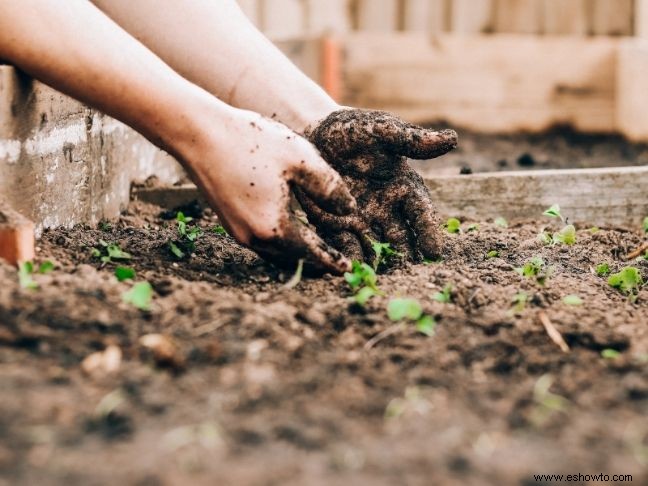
(370, 149)
(247, 169)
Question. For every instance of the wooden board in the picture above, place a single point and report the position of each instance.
(377, 15)
(632, 89)
(612, 17)
(472, 16)
(615, 196)
(498, 83)
(330, 16)
(594, 196)
(565, 17)
(425, 16)
(518, 16)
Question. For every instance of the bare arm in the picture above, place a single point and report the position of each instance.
(244, 163)
(213, 44)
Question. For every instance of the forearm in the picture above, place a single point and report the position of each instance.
(75, 48)
(214, 45)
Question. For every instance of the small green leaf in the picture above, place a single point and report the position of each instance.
(602, 269)
(361, 275)
(95, 253)
(399, 309)
(567, 235)
(492, 254)
(219, 230)
(553, 212)
(193, 234)
(645, 224)
(139, 296)
(426, 325)
(501, 222)
(453, 226)
(519, 302)
(594, 229)
(383, 252)
(364, 295)
(25, 279)
(46, 267)
(181, 218)
(610, 354)
(545, 238)
(574, 300)
(125, 273)
(445, 296)
(116, 253)
(628, 280)
(537, 268)
(175, 249)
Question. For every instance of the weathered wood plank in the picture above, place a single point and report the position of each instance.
(565, 17)
(632, 92)
(331, 16)
(593, 196)
(472, 16)
(641, 18)
(612, 17)
(377, 15)
(425, 16)
(282, 19)
(518, 16)
(498, 83)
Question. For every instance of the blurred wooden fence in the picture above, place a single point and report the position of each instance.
(290, 18)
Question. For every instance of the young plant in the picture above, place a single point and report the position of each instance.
(363, 281)
(383, 252)
(492, 254)
(445, 296)
(554, 212)
(645, 224)
(453, 226)
(110, 252)
(567, 235)
(536, 268)
(26, 272)
(297, 276)
(610, 354)
(627, 281)
(603, 269)
(219, 230)
(188, 235)
(501, 222)
(519, 303)
(124, 273)
(411, 310)
(546, 402)
(140, 296)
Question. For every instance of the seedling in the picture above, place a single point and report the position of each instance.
(594, 229)
(545, 238)
(567, 235)
(26, 273)
(453, 226)
(603, 269)
(125, 273)
(492, 254)
(573, 300)
(363, 281)
(501, 222)
(519, 302)
(383, 252)
(536, 268)
(445, 296)
(610, 354)
(627, 281)
(645, 224)
(219, 230)
(546, 402)
(554, 212)
(140, 296)
(364, 295)
(296, 278)
(188, 237)
(111, 252)
(411, 310)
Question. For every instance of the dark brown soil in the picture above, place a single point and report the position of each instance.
(560, 148)
(275, 386)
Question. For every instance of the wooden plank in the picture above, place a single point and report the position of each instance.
(632, 95)
(472, 16)
(495, 83)
(331, 16)
(593, 196)
(565, 17)
(641, 18)
(612, 17)
(283, 19)
(519, 16)
(377, 15)
(425, 16)
(251, 9)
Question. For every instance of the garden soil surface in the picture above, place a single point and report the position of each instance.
(254, 383)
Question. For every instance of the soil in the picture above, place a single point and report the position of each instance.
(559, 148)
(266, 385)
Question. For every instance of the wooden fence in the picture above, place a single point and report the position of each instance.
(290, 18)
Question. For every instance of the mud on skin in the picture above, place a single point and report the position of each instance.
(278, 388)
(370, 149)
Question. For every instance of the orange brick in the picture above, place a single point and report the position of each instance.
(16, 236)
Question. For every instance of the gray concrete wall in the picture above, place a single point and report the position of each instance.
(61, 162)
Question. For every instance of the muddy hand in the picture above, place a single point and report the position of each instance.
(370, 150)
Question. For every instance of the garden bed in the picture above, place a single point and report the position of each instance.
(269, 385)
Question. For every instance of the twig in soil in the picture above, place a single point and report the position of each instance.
(390, 331)
(638, 252)
(553, 333)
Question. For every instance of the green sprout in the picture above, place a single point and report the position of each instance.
(627, 281)
(175, 249)
(610, 354)
(545, 238)
(383, 252)
(492, 254)
(125, 273)
(188, 237)
(453, 226)
(501, 222)
(26, 272)
(110, 252)
(411, 310)
(573, 300)
(519, 303)
(140, 296)
(546, 402)
(554, 212)
(363, 281)
(297, 276)
(536, 268)
(567, 235)
(445, 296)
(219, 230)
(645, 224)
(594, 229)
(603, 269)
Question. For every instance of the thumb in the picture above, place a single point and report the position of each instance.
(415, 142)
(324, 185)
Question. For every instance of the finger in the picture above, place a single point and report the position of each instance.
(348, 244)
(400, 238)
(415, 142)
(324, 185)
(424, 221)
